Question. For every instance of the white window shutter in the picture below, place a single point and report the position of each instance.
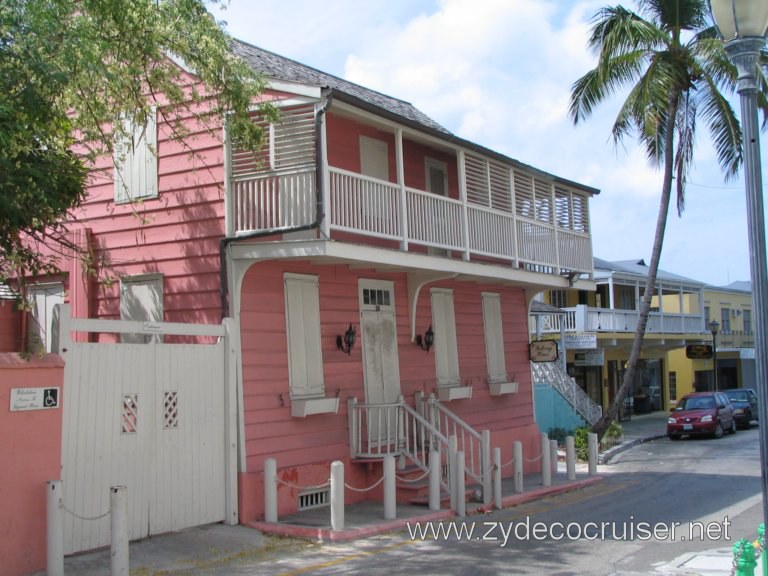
(135, 160)
(494, 338)
(444, 327)
(305, 357)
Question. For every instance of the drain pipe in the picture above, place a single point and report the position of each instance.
(319, 210)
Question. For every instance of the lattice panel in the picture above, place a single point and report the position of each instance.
(170, 410)
(129, 421)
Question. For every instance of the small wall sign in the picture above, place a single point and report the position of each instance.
(542, 351)
(34, 399)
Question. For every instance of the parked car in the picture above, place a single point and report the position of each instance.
(744, 401)
(709, 413)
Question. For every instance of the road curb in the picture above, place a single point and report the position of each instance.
(605, 457)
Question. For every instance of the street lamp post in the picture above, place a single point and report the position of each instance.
(743, 25)
(714, 327)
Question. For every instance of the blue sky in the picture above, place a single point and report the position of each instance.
(499, 72)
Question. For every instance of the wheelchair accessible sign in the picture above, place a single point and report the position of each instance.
(34, 399)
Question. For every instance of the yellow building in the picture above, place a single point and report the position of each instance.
(595, 331)
(728, 318)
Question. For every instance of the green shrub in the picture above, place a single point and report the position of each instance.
(614, 430)
(581, 441)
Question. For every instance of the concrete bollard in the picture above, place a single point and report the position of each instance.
(592, 439)
(54, 530)
(497, 478)
(434, 480)
(452, 472)
(337, 495)
(461, 490)
(485, 464)
(517, 454)
(390, 490)
(546, 464)
(553, 455)
(270, 490)
(118, 508)
(570, 458)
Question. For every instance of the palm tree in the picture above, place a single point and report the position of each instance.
(669, 55)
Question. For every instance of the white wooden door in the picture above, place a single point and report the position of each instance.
(380, 356)
(149, 417)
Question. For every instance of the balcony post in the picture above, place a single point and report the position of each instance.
(325, 225)
(403, 193)
(463, 198)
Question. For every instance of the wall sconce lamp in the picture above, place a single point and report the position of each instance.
(347, 342)
(426, 342)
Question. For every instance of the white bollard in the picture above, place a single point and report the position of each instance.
(485, 464)
(592, 437)
(517, 454)
(54, 532)
(434, 480)
(497, 478)
(461, 491)
(546, 465)
(337, 495)
(118, 509)
(270, 490)
(452, 472)
(553, 454)
(570, 458)
(390, 489)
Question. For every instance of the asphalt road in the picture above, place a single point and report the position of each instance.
(653, 506)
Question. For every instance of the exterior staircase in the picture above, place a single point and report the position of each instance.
(411, 434)
(553, 374)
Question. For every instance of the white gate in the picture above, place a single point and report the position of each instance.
(157, 418)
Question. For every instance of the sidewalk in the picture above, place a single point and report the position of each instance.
(638, 429)
(220, 549)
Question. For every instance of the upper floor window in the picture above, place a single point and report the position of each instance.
(747, 320)
(43, 326)
(446, 349)
(135, 159)
(725, 319)
(141, 300)
(494, 338)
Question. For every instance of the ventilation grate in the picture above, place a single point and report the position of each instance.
(317, 498)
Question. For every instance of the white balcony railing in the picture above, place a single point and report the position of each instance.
(586, 319)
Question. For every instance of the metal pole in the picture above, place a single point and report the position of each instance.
(744, 53)
(497, 478)
(714, 358)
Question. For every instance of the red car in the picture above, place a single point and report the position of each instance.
(709, 413)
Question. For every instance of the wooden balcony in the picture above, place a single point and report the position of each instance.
(414, 220)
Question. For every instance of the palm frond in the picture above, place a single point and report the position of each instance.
(723, 125)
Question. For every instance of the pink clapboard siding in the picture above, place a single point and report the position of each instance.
(300, 445)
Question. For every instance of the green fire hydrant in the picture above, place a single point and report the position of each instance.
(744, 558)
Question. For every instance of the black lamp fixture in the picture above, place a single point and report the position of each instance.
(347, 342)
(426, 342)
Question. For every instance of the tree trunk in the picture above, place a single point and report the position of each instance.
(602, 425)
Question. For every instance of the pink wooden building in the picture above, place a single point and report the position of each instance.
(372, 259)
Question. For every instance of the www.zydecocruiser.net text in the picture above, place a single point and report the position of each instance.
(526, 530)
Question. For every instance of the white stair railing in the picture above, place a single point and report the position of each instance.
(475, 445)
(378, 430)
(552, 373)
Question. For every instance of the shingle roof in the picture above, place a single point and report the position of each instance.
(638, 268)
(281, 68)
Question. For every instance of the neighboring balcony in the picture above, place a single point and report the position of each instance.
(586, 319)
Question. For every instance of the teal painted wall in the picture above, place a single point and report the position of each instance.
(552, 410)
